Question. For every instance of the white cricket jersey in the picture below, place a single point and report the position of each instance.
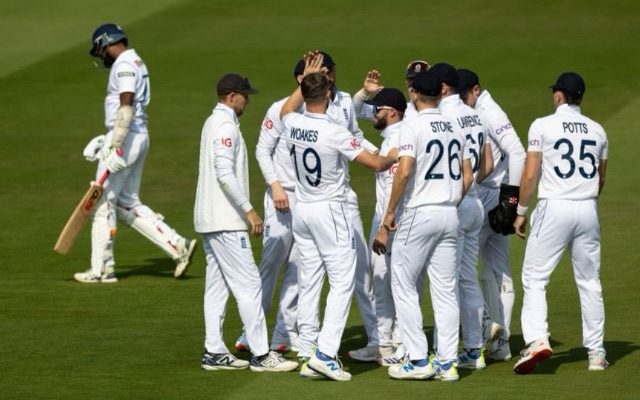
(436, 143)
(223, 156)
(320, 151)
(508, 153)
(384, 179)
(128, 74)
(411, 111)
(572, 146)
(469, 122)
(272, 152)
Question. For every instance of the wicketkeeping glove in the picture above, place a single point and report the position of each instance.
(92, 151)
(501, 218)
(112, 159)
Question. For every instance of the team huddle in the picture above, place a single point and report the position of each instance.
(452, 182)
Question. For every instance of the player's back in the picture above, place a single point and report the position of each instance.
(128, 74)
(436, 144)
(572, 146)
(320, 151)
(468, 120)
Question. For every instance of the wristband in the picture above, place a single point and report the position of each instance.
(521, 210)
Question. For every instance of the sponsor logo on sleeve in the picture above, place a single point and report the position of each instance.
(393, 169)
(226, 141)
(534, 142)
(406, 147)
(125, 74)
(503, 128)
(267, 123)
(355, 143)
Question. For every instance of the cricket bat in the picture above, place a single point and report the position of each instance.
(80, 215)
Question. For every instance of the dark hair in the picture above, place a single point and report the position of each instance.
(570, 99)
(315, 86)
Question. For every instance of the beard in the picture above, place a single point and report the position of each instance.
(380, 124)
(108, 61)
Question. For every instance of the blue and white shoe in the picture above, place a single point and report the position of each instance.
(387, 357)
(446, 371)
(217, 361)
(472, 359)
(409, 370)
(329, 367)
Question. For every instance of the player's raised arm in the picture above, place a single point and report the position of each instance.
(313, 63)
(370, 87)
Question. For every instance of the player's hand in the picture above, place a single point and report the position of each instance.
(380, 242)
(389, 222)
(92, 150)
(371, 83)
(255, 221)
(520, 225)
(280, 198)
(112, 159)
(312, 62)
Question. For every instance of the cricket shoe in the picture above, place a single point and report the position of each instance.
(472, 359)
(272, 362)
(365, 354)
(537, 352)
(327, 366)
(184, 260)
(220, 361)
(387, 357)
(597, 360)
(446, 371)
(242, 344)
(305, 371)
(499, 351)
(490, 332)
(410, 370)
(108, 276)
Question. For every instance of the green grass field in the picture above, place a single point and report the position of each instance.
(142, 338)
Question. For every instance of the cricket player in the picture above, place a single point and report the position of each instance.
(502, 184)
(567, 154)
(431, 152)
(122, 151)
(470, 214)
(322, 221)
(221, 213)
(390, 105)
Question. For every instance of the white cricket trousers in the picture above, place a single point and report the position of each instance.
(497, 279)
(230, 267)
(364, 289)
(426, 238)
(385, 309)
(279, 248)
(556, 224)
(470, 214)
(324, 233)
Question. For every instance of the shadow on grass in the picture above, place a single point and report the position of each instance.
(159, 267)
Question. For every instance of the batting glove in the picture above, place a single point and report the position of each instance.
(92, 151)
(112, 159)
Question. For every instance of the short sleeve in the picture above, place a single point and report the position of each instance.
(604, 152)
(534, 138)
(347, 144)
(407, 141)
(125, 78)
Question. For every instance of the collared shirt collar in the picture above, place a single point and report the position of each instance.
(429, 111)
(568, 109)
(316, 115)
(225, 108)
(451, 100)
(386, 132)
(337, 96)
